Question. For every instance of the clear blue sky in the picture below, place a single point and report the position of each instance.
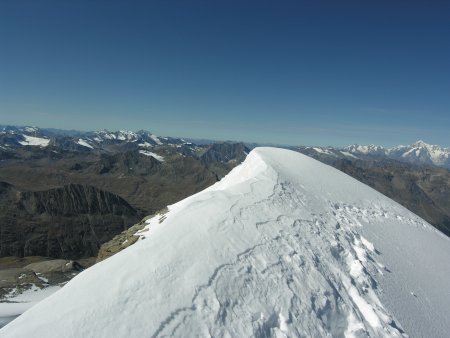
(287, 72)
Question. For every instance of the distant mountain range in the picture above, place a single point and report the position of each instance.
(12, 137)
(103, 140)
(418, 153)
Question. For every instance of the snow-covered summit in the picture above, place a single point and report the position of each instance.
(283, 246)
(420, 143)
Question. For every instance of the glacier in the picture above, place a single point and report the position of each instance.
(283, 246)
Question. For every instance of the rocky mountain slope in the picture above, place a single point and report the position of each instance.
(68, 222)
(282, 246)
(220, 156)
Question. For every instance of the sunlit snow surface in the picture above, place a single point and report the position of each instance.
(34, 141)
(156, 139)
(83, 143)
(283, 246)
(155, 156)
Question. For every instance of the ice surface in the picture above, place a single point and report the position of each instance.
(283, 246)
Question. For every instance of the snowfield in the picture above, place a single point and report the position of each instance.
(156, 139)
(83, 143)
(34, 141)
(149, 153)
(283, 246)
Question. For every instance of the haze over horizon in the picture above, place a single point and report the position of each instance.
(291, 72)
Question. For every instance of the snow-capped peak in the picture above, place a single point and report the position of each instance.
(105, 135)
(31, 129)
(127, 135)
(282, 246)
(420, 143)
(421, 152)
(429, 147)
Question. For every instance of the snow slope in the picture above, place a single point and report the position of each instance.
(156, 139)
(283, 246)
(84, 143)
(149, 153)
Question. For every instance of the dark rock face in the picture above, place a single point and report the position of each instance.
(129, 162)
(225, 152)
(73, 200)
(67, 144)
(220, 158)
(67, 222)
(145, 183)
